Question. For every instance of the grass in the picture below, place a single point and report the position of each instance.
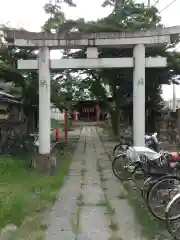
(150, 227)
(123, 194)
(108, 132)
(106, 203)
(102, 203)
(79, 200)
(27, 195)
(113, 225)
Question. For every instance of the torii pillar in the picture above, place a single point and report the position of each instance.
(44, 101)
(139, 95)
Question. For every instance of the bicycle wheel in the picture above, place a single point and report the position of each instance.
(172, 213)
(118, 149)
(148, 183)
(160, 193)
(121, 168)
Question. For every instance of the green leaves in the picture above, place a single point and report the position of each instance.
(116, 3)
(70, 3)
(126, 16)
(68, 86)
(56, 15)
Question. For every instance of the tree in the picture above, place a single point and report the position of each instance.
(127, 17)
(56, 15)
(65, 87)
(115, 3)
(28, 82)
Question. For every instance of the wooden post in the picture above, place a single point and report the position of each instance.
(97, 112)
(88, 113)
(75, 115)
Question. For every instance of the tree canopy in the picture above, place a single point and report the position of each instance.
(28, 81)
(69, 85)
(129, 17)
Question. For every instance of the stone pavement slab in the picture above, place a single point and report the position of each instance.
(94, 218)
(94, 223)
(93, 194)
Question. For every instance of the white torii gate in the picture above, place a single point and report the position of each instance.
(138, 41)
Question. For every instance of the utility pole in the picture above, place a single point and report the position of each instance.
(149, 3)
(174, 110)
(174, 98)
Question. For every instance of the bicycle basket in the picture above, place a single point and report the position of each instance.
(158, 166)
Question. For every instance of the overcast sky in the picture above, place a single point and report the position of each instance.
(30, 15)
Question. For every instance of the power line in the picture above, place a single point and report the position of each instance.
(157, 1)
(168, 6)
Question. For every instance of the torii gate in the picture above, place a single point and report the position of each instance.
(138, 41)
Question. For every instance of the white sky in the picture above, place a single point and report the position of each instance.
(30, 15)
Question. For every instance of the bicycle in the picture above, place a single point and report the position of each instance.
(129, 162)
(118, 171)
(172, 217)
(160, 193)
(156, 189)
(151, 141)
(125, 142)
(160, 187)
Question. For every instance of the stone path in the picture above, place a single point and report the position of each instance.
(91, 205)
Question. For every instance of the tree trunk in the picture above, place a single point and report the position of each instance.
(31, 115)
(115, 121)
